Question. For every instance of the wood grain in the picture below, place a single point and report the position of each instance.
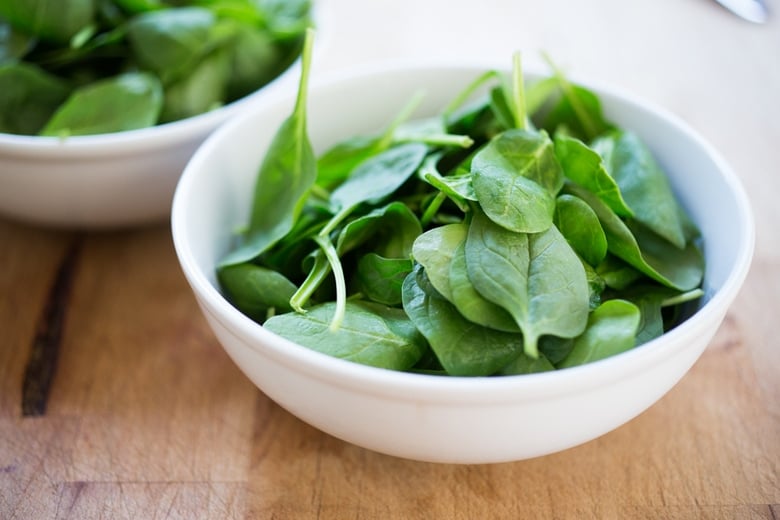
(147, 417)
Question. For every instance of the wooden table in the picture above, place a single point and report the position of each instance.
(146, 416)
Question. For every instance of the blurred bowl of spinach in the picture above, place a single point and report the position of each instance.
(102, 103)
(429, 408)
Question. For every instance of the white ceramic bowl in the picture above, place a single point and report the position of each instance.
(115, 180)
(430, 418)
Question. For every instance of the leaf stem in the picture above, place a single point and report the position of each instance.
(467, 93)
(518, 92)
(574, 100)
(335, 221)
(682, 297)
(432, 208)
(308, 43)
(338, 273)
(405, 113)
(462, 141)
(319, 271)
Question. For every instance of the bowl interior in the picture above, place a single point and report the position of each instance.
(214, 194)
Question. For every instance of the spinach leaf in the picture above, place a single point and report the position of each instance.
(391, 230)
(14, 44)
(435, 249)
(469, 302)
(527, 365)
(171, 42)
(255, 290)
(457, 187)
(380, 279)
(611, 330)
(286, 174)
(376, 178)
(463, 348)
(536, 277)
(202, 90)
(28, 97)
(93, 109)
(577, 109)
(370, 334)
(255, 59)
(516, 178)
(584, 166)
(649, 254)
(643, 183)
(338, 162)
(54, 21)
(579, 224)
(616, 273)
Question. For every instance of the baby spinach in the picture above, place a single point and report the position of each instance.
(28, 96)
(584, 166)
(516, 178)
(643, 184)
(469, 243)
(536, 277)
(203, 54)
(92, 109)
(286, 174)
(380, 279)
(579, 224)
(370, 334)
(463, 348)
(611, 329)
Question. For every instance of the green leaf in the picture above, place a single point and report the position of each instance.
(585, 167)
(516, 178)
(651, 255)
(380, 279)
(644, 185)
(611, 330)
(457, 187)
(390, 231)
(202, 90)
(254, 290)
(28, 97)
(469, 302)
(434, 250)
(579, 224)
(536, 277)
(171, 41)
(54, 21)
(14, 44)
(527, 365)
(370, 334)
(286, 175)
(126, 102)
(463, 348)
(379, 176)
(255, 60)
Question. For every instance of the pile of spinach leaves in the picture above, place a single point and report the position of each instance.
(98, 66)
(518, 231)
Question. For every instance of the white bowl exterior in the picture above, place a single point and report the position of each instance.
(123, 179)
(431, 418)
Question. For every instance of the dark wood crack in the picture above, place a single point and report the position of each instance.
(44, 353)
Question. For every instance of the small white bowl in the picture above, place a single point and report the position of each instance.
(441, 419)
(106, 180)
(122, 179)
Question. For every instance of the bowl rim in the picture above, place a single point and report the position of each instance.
(453, 389)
